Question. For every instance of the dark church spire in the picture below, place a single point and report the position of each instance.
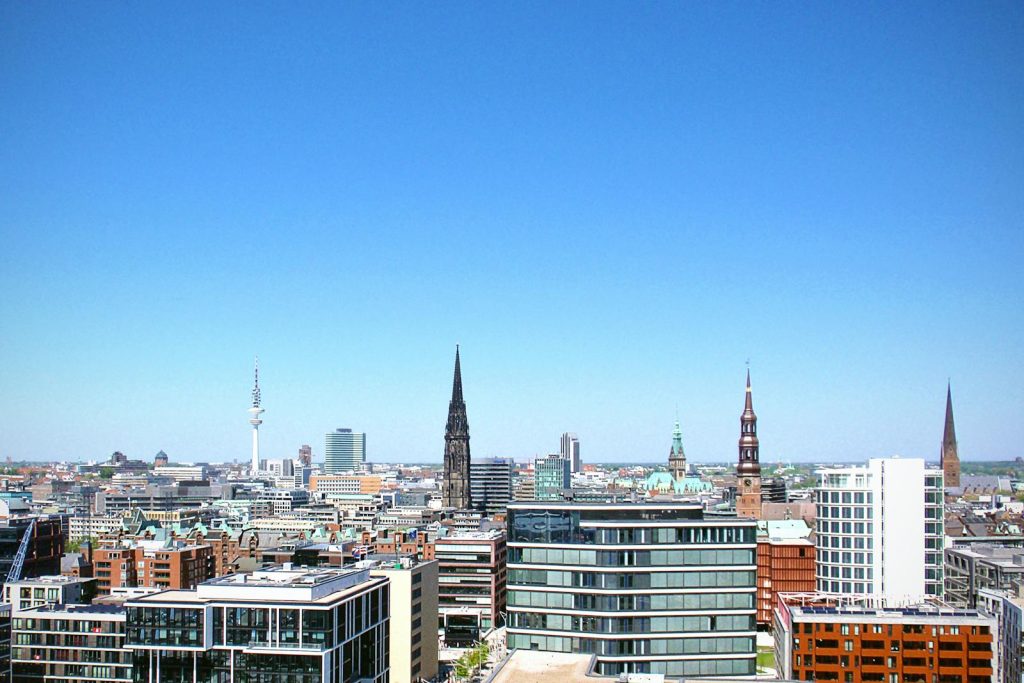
(455, 491)
(950, 455)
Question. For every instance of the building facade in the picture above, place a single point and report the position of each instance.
(784, 565)
(69, 642)
(880, 529)
(646, 587)
(471, 584)
(551, 477)
(973, 568)
(413, 630)
(868, 641)
(570, 450)
(455, 489)
(344, 451)
(491, 484)
(279, 624)
(167, 565)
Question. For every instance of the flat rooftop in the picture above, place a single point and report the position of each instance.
(906, 615)
(531, 666)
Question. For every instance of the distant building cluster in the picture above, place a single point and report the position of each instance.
(892, 570)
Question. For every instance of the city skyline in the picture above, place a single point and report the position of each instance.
(610, 210)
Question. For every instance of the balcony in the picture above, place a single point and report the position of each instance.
(261, 647)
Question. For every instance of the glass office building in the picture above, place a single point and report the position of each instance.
(647, 587)
(344, 451)
(300, 625)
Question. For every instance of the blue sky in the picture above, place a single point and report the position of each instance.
(611, 206)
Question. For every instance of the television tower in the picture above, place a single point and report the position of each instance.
(255, 420)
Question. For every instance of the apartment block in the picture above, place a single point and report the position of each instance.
(649, 588)
(69, 642)
(160, 564)
(880, 529)
(865, 639)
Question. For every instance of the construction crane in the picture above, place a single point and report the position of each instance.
(19, 559)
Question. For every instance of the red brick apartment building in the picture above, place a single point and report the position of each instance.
(783, 566)
(165, 567)
(852, 639)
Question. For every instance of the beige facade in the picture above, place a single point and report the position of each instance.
(413, 627)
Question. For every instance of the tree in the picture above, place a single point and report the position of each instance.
(106, 473)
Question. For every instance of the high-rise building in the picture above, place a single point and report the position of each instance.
(949, 458)
(676, 455)
(491, 484)
(571, 451)
(748, 470)
(283, 623)
(880, 529)
(551, 477)
(456, 486)
(254, 412)
(646, 587)
(306, 455)
(344, 451)
(866, 639)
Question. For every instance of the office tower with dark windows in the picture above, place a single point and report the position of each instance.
(551, 476)
(491, 484)
(344, 451)
(570, 450)
(328, 625)
(646, 587)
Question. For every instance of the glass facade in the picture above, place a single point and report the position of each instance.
(658, 590)
(65, 645)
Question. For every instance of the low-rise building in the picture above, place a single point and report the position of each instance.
(868, 639)
(981, 565)
(152, 564)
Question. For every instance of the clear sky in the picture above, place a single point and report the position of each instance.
(612, 207)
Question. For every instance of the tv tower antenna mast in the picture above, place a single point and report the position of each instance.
(255, 420)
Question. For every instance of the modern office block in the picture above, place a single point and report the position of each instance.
(868, 640)
(1008, 608)
(472, 580)
(70, 642)
(880, 529)
(344, 451)
(785, 564)
(646, 587)
(570, 450)
(491, 484)
(413, 630)
(551, 477)
(277, 624)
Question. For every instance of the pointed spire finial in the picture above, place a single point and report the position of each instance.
(457, 379)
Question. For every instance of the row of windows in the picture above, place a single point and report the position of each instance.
(617, 625)
(638, 647)
(691, 667)
(551, 577)
(846, 528)
(845, 497)
(567, 527)
(635, 603)
(630, 558)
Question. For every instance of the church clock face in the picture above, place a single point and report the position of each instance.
(746, 482)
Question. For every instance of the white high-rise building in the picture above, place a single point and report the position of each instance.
(571, 451)
(344, 451)
(880, 529)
